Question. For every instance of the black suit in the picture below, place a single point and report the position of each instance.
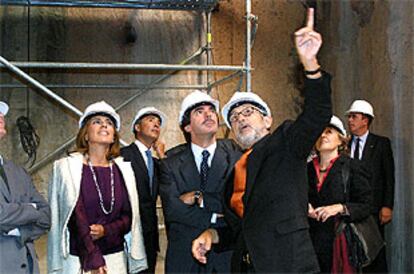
(274, 229)
(378, 159)
(179, 175)
(147, 202)
(332, 192)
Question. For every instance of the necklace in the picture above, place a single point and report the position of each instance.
(323, 170)
(95, 180)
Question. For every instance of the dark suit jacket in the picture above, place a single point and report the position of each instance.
(332, 192)
(378, 159)
(179, 175)
(147, 200)
(16, 211)
(274, 228)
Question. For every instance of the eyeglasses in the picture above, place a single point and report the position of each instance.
(246, 112)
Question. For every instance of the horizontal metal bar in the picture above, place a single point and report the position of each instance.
(24, 76)
(64, 86)
(224, 79)
(143, 4)
(117, 66)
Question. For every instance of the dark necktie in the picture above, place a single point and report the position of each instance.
(150, 167)
(204, 170)
(3, 176)
(356, 150)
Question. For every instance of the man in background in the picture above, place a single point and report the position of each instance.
(24, 214)
(146, 127)
(375, 153)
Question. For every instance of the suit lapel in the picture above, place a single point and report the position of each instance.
(369, 147)
(139, 165)
(188, 170)
(4, 191)
(254, 162)
(75, 163)
(218, 168)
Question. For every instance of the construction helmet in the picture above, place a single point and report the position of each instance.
(338, 125)
(239, 98)
(148, 111)
(100, 108)
(4, 108)
(361, 106)
(193, 99)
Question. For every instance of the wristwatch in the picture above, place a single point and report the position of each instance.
(197, 195)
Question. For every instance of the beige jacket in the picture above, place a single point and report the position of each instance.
(64, 188)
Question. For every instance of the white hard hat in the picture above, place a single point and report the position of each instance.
(4, 108)
(194, 98)
(240, 98)
(147, 111)
(361, 106)
(338, 125)
(100, 108)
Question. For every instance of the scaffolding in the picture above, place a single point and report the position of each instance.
(16, 68)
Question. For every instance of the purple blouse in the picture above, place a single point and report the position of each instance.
(88, 211)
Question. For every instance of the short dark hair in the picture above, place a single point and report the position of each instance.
(186, 120)
(142, 117)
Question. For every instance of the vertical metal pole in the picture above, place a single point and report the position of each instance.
(248, 46)
(208, 45)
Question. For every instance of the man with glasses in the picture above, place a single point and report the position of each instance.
(24, 215)
(266, 198)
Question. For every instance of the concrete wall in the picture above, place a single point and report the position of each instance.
(368, 48)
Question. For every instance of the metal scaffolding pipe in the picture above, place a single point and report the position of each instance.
(224, 79)
(51, 156)
(248, 46)
(208, 45)
(38, 85)
(81, 86)
(114, 66)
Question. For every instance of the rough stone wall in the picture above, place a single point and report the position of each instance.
(368, 47)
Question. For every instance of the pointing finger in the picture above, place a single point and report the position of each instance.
(310, 19)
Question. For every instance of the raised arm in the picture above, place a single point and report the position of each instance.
(308, 42)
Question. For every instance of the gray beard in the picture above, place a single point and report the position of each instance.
(247, 141)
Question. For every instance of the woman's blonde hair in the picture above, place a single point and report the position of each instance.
(82, 145)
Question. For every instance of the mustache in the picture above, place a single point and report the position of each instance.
(208, 120)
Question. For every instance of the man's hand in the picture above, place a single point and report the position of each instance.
(308, 42)
(188, 198)
(101, 270)
(202, 245)
(2, 126)
(97, 231)
(159, 148)
(385, 215)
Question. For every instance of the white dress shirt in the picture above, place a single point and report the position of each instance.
(198, 158)
(142, 148)
(362, 141)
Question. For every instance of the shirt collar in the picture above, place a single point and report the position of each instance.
(142, 148)
(197, 150)
(362, 138)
